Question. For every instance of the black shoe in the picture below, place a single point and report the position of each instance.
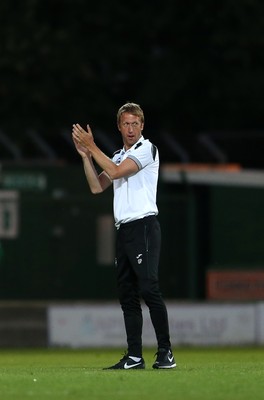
(164, 359)
(128, 363)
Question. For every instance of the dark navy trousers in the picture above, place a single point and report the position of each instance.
(137, 261)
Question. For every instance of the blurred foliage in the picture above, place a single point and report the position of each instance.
(191, 65)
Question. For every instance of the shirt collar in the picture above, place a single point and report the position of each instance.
(134, 145)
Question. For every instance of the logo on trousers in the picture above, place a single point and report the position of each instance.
(139, 258)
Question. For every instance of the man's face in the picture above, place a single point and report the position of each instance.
(130, 127)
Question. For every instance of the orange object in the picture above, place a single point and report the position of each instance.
(235, 285)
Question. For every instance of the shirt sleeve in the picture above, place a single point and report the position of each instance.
(144, 154)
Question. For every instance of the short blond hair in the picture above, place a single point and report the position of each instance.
(131, 108)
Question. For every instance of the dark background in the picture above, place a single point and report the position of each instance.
(194, 67)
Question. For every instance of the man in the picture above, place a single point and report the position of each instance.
(133, 170)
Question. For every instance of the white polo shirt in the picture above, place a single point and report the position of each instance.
(135, 195)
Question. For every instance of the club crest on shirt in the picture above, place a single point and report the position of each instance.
(119, 159)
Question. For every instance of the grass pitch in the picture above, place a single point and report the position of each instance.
(201, 373)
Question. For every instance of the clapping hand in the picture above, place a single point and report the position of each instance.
(83, 140)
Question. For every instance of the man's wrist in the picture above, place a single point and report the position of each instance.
(86, 156)
(92, 148)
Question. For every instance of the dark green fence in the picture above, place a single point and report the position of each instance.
(52, 252)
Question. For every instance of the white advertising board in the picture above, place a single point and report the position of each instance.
(95, 325)
(86, 325)
(260, 323)
(212, 324)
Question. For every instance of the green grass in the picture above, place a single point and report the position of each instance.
(202, 373)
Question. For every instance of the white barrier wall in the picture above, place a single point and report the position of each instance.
(98, 325)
